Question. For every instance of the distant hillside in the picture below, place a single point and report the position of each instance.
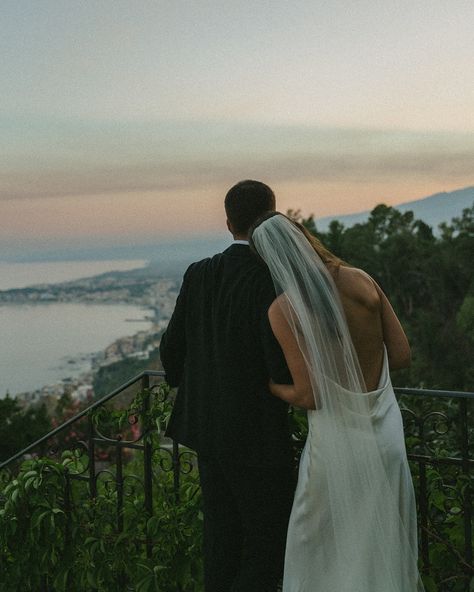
(433, 210)
(168, 258)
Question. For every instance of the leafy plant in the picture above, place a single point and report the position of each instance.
(54, 536)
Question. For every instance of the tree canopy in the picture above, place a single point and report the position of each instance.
(429, 280)
(20, 427)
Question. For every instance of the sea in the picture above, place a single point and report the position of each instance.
(41, 344)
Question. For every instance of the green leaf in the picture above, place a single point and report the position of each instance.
(60, 581)
(40, 518)
(28, 483)
(145, 584)
(430, 584)
(91, 579)
(8, 488)
(153, 526)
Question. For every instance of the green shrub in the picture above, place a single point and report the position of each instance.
(54, 538)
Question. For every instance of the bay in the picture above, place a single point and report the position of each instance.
(37, 341)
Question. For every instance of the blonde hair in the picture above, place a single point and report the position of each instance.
(327, 257)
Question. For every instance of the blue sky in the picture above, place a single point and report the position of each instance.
(126, 121)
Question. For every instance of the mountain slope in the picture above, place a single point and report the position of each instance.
(437, 208)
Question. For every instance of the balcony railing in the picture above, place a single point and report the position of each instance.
(113, 451)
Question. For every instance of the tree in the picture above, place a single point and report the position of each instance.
(428, 279)
(20, 427)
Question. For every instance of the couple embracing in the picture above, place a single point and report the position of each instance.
(277, 319)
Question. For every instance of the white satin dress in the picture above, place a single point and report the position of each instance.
(318, 559)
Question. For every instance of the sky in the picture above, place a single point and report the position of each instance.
(126, 122)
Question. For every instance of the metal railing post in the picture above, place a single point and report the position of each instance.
(91, 454)
(467, 502)
(147, 458)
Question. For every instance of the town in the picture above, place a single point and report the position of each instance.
(143, 287)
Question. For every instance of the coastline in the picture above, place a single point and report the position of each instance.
(80, 388)
(146, 289)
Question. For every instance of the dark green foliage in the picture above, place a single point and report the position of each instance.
(20, 427)
(83, 549)
(54, 537)
(72, 542)
(112, 376)
(429, 281)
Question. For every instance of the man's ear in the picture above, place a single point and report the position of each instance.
(229, 227)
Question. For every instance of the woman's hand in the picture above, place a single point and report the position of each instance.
(288, 393)
(272, 385)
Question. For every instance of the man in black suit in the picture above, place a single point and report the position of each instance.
(220, 351)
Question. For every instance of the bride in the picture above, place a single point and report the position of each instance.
(353, 522)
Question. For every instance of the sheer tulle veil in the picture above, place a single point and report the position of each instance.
(363, 523)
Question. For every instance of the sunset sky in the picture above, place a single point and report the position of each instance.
(126, 122)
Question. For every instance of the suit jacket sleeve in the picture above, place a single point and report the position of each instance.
(173, 340)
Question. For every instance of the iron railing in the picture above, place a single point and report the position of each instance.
(439, 435)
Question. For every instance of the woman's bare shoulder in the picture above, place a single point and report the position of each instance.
(357, 284)
(279, 308)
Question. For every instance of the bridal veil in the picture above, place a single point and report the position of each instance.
(365, 536)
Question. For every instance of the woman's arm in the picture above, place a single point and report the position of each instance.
(300, 393)
(396, 342)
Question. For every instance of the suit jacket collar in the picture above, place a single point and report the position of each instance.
(238, 250)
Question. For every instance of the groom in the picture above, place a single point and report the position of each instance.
(219, 350)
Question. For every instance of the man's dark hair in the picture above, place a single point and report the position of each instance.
(245, 202)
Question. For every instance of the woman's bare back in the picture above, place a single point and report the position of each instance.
(371, 321)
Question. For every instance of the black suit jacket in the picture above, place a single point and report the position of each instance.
(220, 352)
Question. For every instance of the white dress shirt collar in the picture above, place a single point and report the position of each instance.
(240, 242)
